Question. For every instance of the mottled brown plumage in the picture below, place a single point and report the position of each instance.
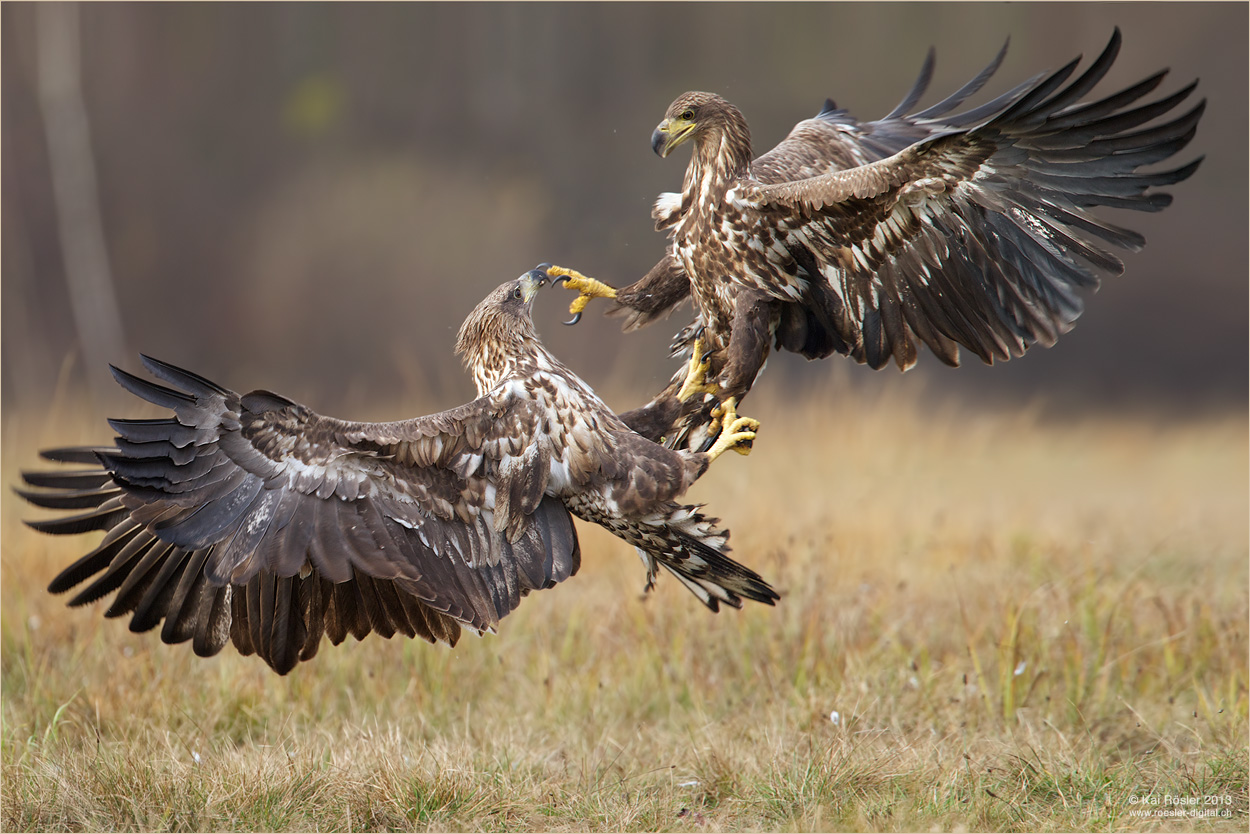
(254, 520)
(970, 230)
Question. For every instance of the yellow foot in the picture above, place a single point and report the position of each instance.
(696, 382)
(736, 432)
(588, 287)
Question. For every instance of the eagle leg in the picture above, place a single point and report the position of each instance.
(649, 562)
(588, 287)
(736, 432)
(696, 375)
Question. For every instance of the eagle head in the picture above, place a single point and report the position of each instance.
(697, 115)
(501, 329)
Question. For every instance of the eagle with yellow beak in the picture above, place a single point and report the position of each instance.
(973, 230)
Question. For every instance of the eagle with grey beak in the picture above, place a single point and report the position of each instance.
(971, 230)
(251, 519)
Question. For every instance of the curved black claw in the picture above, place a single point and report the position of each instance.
(563, 279)
(696, 336)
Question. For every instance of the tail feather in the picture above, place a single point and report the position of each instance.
(693, 548)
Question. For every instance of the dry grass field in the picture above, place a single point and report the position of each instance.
(988, 622)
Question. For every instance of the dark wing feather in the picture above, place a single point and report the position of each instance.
(253, 519)
(653, 296)
(982, 237)
(833, 140)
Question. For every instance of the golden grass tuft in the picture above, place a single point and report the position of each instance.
(1020, 625)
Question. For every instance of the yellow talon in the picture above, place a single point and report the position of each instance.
(735, 431)
(696, 375)
(588, 287)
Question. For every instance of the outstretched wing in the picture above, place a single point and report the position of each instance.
(834, 140)
(978, 237)
(254, 519)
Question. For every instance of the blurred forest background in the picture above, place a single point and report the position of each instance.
(310, 197)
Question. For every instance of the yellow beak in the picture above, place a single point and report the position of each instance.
(669, 134)
(531, 283)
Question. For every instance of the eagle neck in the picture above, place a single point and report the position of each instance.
(496, 349)
(490, 369)
(533, 361)
(723, 156)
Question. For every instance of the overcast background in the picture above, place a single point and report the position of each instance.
(310, 197)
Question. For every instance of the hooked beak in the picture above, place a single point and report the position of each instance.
(531, 283)
(659, 140)
(669, 134)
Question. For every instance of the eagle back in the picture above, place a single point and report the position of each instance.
(577, 425)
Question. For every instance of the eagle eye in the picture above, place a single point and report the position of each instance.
(687, 115)
(517, 293)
